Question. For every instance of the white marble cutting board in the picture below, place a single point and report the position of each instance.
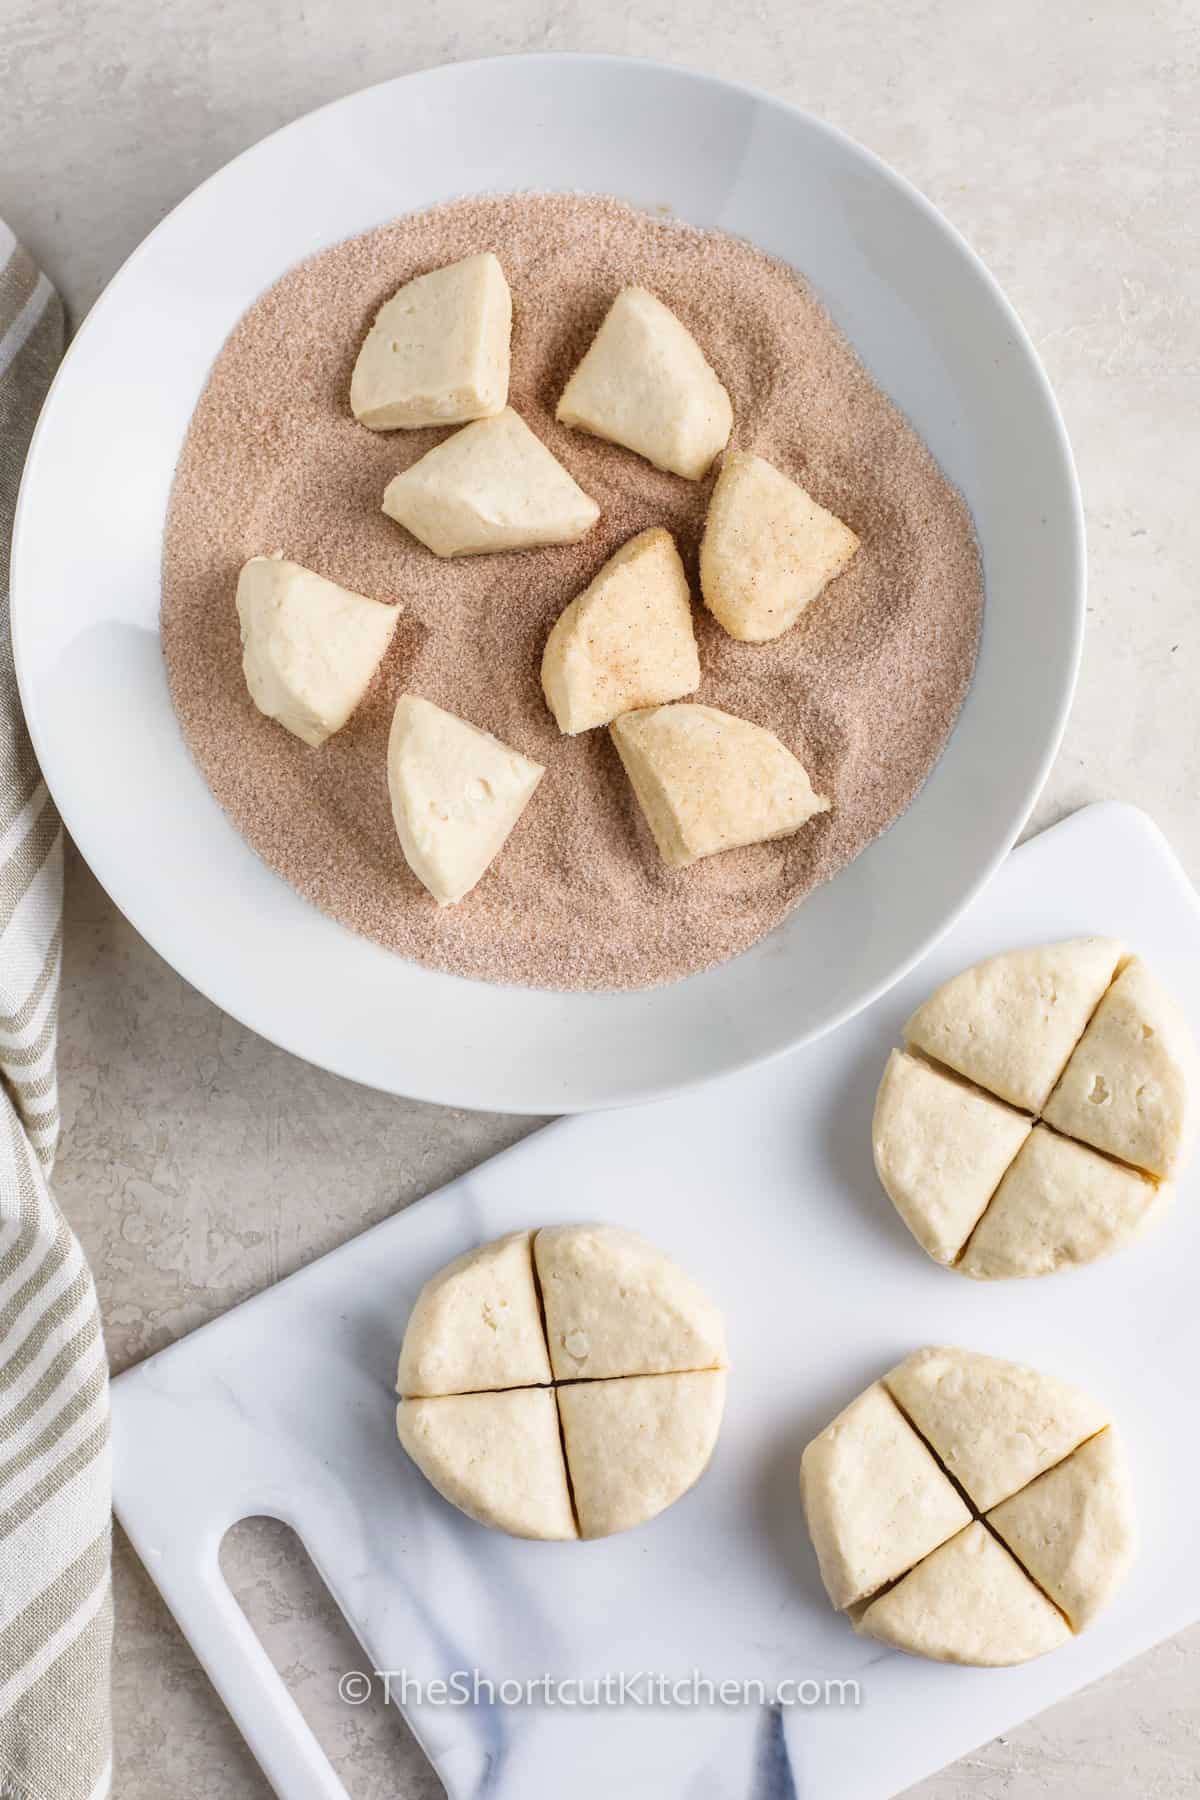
(764, 1188)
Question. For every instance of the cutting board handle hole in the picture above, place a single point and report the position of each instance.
(304, 1633)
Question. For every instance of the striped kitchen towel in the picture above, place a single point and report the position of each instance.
(55, 1599)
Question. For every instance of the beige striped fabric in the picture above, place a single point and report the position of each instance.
(55, 1602)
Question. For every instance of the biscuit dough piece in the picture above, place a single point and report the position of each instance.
(1073, 1528)
(476, 1324)
(1132, 1085)
(438, 352)
(491, 486)
(768, 549)
(309, 647)
(615, 1305)
(941, 1149)
(875, 1499)
(626, 641)
(645, 383)
(1059, 1203)
(636, 1444)
(1010, 1023)
(497, 1457)
(969, 1602)
(456, 794)
(707, 781)
(994, 1425)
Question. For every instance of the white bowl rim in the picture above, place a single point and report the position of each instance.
(107, 867)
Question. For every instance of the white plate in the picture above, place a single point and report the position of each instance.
(919, 308)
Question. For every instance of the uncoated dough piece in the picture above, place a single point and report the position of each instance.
(497, 1457)
(1059, 1203)
(491, 486)
(707, 781)
(1132, 1085)
(615, 1305)
(645, 383)
(438, 352)
(626, 641)
(636, 1444)
(768, 549)
(456, 794)
(309, 647)
(967, 1603)
(1073, 1528)
(994, 1425)
(476, 1324)
(941, 1149)
(875, 1499)
(1010, 1023)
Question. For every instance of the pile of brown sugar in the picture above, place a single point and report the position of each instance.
(865, 689)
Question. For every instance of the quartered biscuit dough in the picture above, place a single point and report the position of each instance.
(491, 486)
(615, 1305)
(1059, 1203)
(968, 1509)
(1132, 1085)
(634, 1445)
(768, 549)
(438, 352)
(636, 1352)
(1084, 1040)
(970, 1602)
(1010, 1023)
(497, 1457)
(477, 1324)
(941, 1149)
(875, 1499)
(626, 641)
(645, 383)
(707, 781)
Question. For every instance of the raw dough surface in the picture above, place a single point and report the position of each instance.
(634, 1446)
(476, 1324)
(497, 1457)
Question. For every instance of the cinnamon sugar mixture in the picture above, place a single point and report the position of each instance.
(865, 689)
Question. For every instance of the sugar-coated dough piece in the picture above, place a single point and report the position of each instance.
(875, 1499)
(768, 549)
(309, 647)
(456, 794)
(635, 1445)
(1073, 1528)
(615, 1305)
(1059, 1203)
(626, 641)
(994, 1425)
(707, 781)
(941, 1148)
(438, 352)
(497, 1457)
(969, 1602)
(645, 383)
(476, 1324)
(1011, 1022)
(1132, 1086)
(491, 486)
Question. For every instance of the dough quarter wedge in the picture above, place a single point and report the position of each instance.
(476, 1325)
(1073, 1528)
(615, 1305)
(1010, 1023)
(875, 1500)
(941, 1150)
(1059, 1203)
(970, 1602)
(636, 1444)
(994, 1425)
(1132, 1085)
(497, 1457)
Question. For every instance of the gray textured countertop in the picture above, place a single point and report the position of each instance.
(198, 1163)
